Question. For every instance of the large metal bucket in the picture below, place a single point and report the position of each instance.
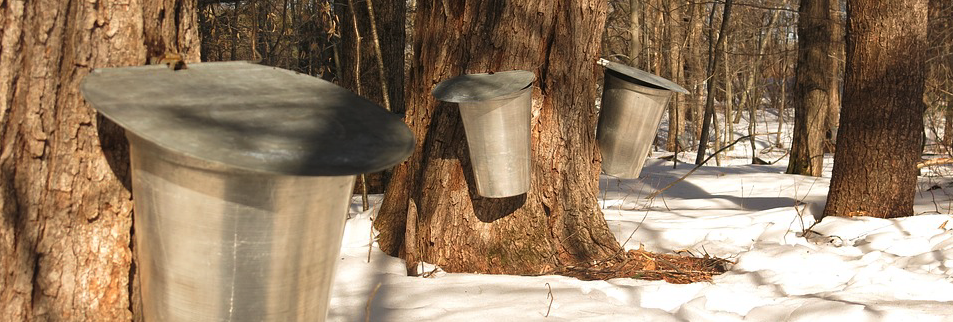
(241, 176)
(496, 112)
(216, 243)
(633, 103)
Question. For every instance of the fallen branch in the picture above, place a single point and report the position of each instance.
(933, 162)
(655, 194)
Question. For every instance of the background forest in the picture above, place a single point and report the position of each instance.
(673, 39)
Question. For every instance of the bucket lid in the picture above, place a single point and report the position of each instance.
(252, 117)
(482, 87)
(642, 75)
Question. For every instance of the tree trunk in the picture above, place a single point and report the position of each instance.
(948, 124)
(881, 129)
(697, 71)
(433, 197)
(835, 75)
(784, 94)
(710, 119)
(941, 68)
(812, 87)
(657, 27)
(389, 15)
(676, 107)
(729, 95)
(635, 32)
(66, 234)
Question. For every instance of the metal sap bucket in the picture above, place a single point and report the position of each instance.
(496, 112)
(633, 102)
(242, 176)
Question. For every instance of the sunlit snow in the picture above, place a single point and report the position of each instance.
(842, 269)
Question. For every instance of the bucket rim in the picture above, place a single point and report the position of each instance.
(471, 88)
(643, 76)
(249, 116)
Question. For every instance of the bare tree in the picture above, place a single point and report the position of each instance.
(714, 61)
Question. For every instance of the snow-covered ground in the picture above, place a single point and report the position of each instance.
(843, 269)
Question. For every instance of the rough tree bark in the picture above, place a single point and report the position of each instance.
(812, 88)
(65, 234)
(433, 198)
(881, 129)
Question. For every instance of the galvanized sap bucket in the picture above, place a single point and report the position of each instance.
(633, 102)
(242, 176)
(495, 109)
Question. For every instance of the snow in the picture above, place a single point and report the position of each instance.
(787, 267)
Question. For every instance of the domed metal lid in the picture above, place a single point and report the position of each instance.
(251, 117)
(643, 76)
(482, 87)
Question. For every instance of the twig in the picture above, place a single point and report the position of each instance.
(367, 308)
(655, 194)
(551, 298)
(380, 57)
(800, 216)
(431, 273)
(635, 230)
(370, 240)
(782, 157)
(366, 205)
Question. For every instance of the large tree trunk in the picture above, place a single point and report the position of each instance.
(65, 234)
(432, 196)
(881, 129)
(812, 87)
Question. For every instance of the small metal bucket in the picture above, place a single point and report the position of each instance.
(241, 175)
(633, 102)
(496, 113)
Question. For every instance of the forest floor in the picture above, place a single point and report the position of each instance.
(787, 267)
